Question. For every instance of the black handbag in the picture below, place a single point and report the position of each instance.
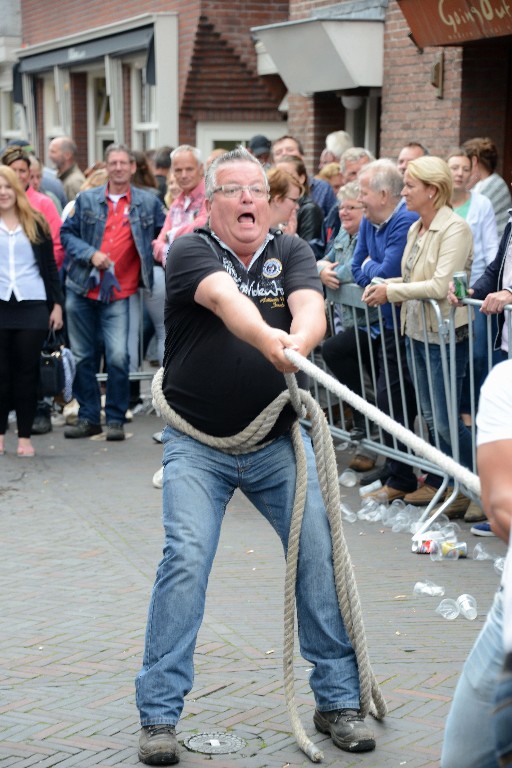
(51, 368)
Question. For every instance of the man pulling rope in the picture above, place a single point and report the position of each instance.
(238, 297)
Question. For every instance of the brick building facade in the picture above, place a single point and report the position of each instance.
(156, 72)
(148, 72)
(475, 97)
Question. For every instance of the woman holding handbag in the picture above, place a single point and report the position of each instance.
(30, 303)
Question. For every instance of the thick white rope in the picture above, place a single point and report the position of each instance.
(250, 439)
(417, 444)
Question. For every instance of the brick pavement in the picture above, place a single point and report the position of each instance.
(81, 536)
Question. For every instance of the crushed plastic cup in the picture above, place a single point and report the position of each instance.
(347, 514)
(499, 564)
(448, 609)
(348, 478)
(364, 490)
(428, 588)
(451, 530)
(414, 514)
(402, 521)
(389, 516)
(440, 522)
(370, 510)
(467, 606)
(480, 553)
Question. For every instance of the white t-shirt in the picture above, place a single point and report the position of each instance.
(494, 422)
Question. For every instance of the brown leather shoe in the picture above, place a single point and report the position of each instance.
(456, 509)
(361, 463)
(474, 513)
(422, 496)
(391, 493)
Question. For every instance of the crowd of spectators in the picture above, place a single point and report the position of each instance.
(86, 251)
(358, 215)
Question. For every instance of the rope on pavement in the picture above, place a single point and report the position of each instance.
(250, 439)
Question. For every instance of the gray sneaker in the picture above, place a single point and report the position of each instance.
(158, 745)
(115, 431)
(346, 728)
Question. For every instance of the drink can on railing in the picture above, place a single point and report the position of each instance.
(460, 285)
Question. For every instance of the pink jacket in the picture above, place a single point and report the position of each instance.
(46, 206)
(185, 214)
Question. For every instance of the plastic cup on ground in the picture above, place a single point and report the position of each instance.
(347, 514)
(467, 606)
(364, 490)
(348, 478)
(448, 609)
(480, 553)
(428, 588)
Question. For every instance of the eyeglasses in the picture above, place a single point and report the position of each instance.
(345, 208)
(293, 199)
(235, 190)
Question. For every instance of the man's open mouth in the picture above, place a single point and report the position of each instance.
(246, 217)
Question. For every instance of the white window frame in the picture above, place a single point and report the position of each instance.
(207, 133)
(141, 128)
(95, 136)
(53, 125)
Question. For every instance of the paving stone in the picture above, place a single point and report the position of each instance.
(82, 536)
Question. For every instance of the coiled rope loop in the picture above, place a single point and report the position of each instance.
(250, 439)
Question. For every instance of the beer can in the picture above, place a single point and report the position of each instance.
(422, 547)
(460, 284)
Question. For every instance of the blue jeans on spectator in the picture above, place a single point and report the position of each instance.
(199, 481)
(88, 322)
(435, 401)
(468, 736)
(502, 717)
(480, 359)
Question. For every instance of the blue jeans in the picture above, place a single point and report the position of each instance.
(435, 400)
(468, 736)
(89, 323)
(198, 483)
(502, 718)
(480, 359)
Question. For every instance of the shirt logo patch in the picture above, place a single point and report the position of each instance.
(272, 268)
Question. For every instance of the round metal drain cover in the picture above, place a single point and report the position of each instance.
(214, 743)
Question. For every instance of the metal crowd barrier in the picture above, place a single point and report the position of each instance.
(372, 439)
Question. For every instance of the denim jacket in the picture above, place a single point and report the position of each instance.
(82, 233)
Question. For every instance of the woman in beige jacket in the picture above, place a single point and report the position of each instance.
(439, 244)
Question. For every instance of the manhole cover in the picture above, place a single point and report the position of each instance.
(214, 743)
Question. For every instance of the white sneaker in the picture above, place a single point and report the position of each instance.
(157, 437)
(158, 478)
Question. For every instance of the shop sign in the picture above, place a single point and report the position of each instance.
(453, 22)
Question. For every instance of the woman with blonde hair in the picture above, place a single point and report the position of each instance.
(331, 172)
(30, 303)
(439, 244)
(284, 195)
